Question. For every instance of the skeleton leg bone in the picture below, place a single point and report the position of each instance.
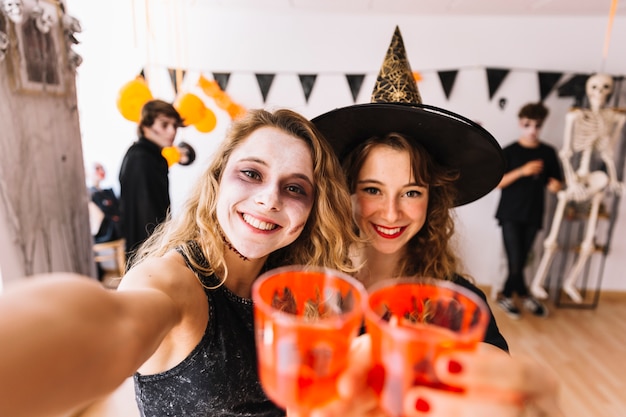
(587, 246)
(550, 247)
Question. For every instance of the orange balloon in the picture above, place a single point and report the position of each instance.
(210, 87)
(171, 155)
(207, 123)
(131, 98)
(191, 108)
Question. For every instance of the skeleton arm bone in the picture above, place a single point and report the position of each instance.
(574, 188)
(566, 151)
(607, 154)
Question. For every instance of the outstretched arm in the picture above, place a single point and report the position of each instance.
(67, 341)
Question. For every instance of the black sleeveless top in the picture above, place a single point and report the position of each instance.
(219, 377)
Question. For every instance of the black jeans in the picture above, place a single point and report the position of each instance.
(518, 240)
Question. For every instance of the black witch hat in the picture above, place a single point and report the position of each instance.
(396, 106)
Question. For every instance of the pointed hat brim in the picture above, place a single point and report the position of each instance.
(453, 140)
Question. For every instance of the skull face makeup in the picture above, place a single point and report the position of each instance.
(14, 9)
(598, 88)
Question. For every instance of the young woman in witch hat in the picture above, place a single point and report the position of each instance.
(408, 165)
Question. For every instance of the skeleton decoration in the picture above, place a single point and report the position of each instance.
(588, 132)
(13, 9)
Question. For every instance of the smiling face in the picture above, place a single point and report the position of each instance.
(389, 206)
(266, 192)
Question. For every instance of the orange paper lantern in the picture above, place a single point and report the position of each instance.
(236, 111)
(131, 98)
(191, 108)
(210, 87)
(222, 100)
(207, 123)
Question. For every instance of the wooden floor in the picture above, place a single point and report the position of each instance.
(585, 348)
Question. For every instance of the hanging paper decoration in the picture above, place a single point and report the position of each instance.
(131, 98)
(222, 79)
(236, 111)
(417, 76)
(177, 76)
(307, 81)
(355, 81)
(171, 155)
(191, 108)
(207, 123)
(547, 81)
(209, 87)
(265, 82)
(495, 77)
(222, 100)
(214, 90)
(187, 154)
(447, 79)
(574, 87)
(609, 27)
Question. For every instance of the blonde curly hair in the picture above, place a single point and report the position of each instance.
(326, 237)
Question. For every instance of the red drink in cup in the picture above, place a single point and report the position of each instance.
(305, 320)
(411, 323)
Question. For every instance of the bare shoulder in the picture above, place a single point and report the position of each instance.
(168, 274)
(160, 272)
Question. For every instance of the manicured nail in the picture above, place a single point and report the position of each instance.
(455, 367)
(422, 405)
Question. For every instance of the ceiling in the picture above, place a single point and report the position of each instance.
(430, 7)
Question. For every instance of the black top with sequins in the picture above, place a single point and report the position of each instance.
(219, 377)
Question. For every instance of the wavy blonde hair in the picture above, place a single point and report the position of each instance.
(429, 252)
(325, 239)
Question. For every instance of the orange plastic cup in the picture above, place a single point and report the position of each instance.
(411, 323)
(305, 320)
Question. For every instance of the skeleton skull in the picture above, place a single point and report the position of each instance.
(598, 89)
(14, 9)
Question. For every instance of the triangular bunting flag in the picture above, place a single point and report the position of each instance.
(176, 76)
(495, 76)
(355, 81)
(447, 79)
(574, 87)
(547, 81)
(265, 82)
(142, 74)
(307, 81)
(222, 79)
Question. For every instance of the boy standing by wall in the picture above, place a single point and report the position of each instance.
(532, 167)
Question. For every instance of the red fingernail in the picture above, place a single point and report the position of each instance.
(454, 367)
(422, 405)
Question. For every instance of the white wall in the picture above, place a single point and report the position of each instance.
(118, 41)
